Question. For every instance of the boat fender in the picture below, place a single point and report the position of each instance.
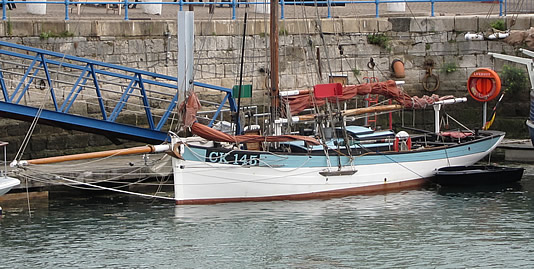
(470, 36)
(403, 141)
(398, 68)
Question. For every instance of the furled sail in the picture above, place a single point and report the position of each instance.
(193, 105)
(388, 89)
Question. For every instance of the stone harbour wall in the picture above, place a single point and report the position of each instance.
(310, 51)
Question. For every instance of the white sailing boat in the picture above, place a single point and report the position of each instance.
(220, 168)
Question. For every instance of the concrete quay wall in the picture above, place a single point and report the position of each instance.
(341, 44)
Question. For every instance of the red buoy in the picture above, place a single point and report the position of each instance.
(484, 85)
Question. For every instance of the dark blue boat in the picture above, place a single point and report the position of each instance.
(476, 175)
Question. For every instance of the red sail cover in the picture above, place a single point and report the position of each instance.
(218, 136)
(388, 89)
(193, 105)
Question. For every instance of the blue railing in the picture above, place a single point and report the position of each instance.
(69, 79)
(235, 3)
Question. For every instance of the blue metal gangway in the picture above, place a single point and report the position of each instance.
(90, 96)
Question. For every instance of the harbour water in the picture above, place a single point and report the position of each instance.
(431, 227)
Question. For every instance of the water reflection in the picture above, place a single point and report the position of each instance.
(430, 227)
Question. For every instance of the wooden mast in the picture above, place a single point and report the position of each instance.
(275, 98)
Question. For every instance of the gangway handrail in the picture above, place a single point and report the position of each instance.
(131, 82)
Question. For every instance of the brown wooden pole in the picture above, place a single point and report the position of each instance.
(357, 111)
(92, 155)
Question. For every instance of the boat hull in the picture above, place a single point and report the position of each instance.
(7, 183)
(476, 175)
(208, 176)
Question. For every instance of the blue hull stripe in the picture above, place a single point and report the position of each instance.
(302, 160)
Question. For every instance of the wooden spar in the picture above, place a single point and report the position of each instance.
(372, 109)
(356, 111)
(273, 42)
(99, 154)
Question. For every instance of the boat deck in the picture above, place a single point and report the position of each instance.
(119, 170)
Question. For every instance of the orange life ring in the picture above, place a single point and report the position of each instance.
(397, 141)
(484, 85)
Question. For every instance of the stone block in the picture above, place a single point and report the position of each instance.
(288, 82)
(484, 61)
(446, 48)
(412, 76)
(257, 27)
(467, 61)
(228, 27)
(331, 26)
(136, 46)
(440, 24)
(202, 43)
(472, 47)
(120, 47)
(291, 26)
(418, 49)
(367, 50)
(154, 45)
(6, 25)
(350, 25)
(227, 82)
(20, 28)
(79, 29)
(223, 43)
(418, 25)
(368, 26)
(384, 25)
(113, 59)
(285, 40)
(522, 22)
(400, 24)
(172, 28)
(231, 70)
(466, 23)
(207, 28)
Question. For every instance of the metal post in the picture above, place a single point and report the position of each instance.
(329, 4)
(376, 8)
(5, 162)
(4, 10)
(437, 108)
(233, 9)
(66, 10)
(432, 8)
(126, 10)
(282, 3)
(484, 116)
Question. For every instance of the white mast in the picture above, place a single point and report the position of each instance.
(185, 31)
